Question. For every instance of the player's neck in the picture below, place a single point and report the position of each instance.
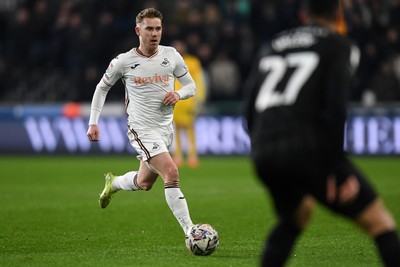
(325, 23)
(146, 52)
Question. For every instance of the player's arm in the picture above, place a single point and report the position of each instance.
(249, 96)
(187, 90)
(98, 100)
(198, 76)
(251, 88)
(109, 78)
(181, 72)
(341, 69)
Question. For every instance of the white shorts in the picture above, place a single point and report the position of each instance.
(149, 143)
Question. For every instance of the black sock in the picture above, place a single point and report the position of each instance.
(388, 245)
(279, 244)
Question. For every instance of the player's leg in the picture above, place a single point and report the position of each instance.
(356, 198)
(114, 183)
(166, 168)
(304, 212)
(143, 179)
(377, 221)
(153, 149)
(178, 153)
(283, 236)
(193, 160)
(129, 180)
(293, 207)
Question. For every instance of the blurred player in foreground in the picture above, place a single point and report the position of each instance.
(185, 112)
(296, 113)
(148, 73)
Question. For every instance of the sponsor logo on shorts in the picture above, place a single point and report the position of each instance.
(156, 146)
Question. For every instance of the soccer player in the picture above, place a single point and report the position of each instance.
(296, 113)
(148, 73)
(185, 112)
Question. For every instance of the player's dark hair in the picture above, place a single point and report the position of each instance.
(148, 13)
(322, 8)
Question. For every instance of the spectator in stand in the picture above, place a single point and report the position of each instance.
(384, 84)
(396, 65)
(59, 37)
(368, 65)
(41, 33)
(185, 111)
(212, 22)
(224, 78)
(41, 21)
(18, 46)
(395, 14)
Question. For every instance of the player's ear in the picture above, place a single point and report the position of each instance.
(137, 30)
(303, 16)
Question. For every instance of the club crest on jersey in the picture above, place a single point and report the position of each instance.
(156, 146)
(110, 66)
(165, 63)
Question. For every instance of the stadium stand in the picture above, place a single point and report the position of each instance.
(56, 51)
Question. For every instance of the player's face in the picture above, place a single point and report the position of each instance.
(149, 32)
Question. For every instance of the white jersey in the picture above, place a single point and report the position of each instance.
(146, 80)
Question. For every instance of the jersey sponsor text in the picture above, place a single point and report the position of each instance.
(150, 79)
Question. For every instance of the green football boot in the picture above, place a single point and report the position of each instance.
(108, 192)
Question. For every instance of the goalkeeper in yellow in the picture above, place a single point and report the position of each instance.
(185, 111)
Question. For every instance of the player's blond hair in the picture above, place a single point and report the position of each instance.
(148, 13)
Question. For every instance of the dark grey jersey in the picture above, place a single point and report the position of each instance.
(299, 90)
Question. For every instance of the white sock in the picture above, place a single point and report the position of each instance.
(126, 182)
(177, 203)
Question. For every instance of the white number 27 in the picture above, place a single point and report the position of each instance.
(303, 63)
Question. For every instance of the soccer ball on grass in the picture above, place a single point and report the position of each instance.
(202, 240)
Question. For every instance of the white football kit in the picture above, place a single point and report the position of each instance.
(146, 81)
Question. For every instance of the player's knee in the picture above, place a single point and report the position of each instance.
(304, 212)
(376, 219)
(146, 186)
(172, 174)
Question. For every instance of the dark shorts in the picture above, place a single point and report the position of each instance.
(289, 180)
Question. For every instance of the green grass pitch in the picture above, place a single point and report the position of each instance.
(49, 216)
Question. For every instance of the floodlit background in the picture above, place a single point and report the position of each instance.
(53, 53)
(56, 51)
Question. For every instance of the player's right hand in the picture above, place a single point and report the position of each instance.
(171, 98)
(93, 133)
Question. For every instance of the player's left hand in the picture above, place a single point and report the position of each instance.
(171, 98)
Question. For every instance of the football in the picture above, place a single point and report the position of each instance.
(202, 240)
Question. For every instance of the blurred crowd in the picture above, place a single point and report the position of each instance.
(57, 51)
